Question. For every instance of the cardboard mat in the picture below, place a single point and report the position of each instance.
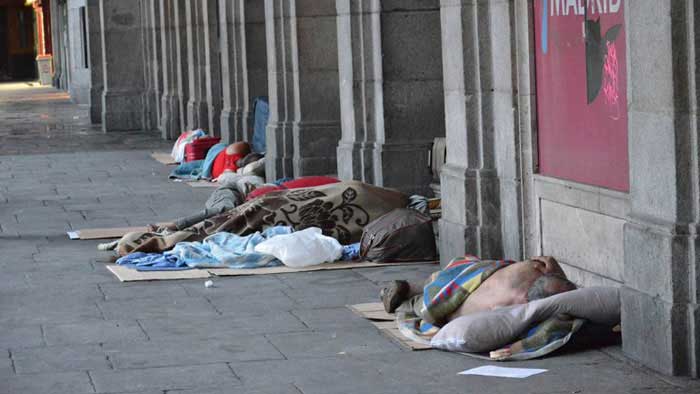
(106, 233)
(386, 324)
(125, 274)
(163, 157)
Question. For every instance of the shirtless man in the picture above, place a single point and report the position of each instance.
(503, 284)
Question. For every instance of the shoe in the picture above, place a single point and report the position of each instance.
(393, 296)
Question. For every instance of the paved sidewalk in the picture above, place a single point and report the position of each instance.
(68, 326)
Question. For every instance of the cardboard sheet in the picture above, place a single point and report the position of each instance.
(385, 322)
(373, 311)
(163, 157)
(131, 275)
(287, 270)
(104, 233)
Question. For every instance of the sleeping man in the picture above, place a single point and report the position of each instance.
(468, 286)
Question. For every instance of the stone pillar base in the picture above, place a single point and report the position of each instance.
(278, 158)
(645, 317)
(473, 197)
(655, 299)
(241, 125)
(197, 114)
(96, 105)
(170, 118)
(350, 160)
(122, 110)
(405, 166)
(311, 142)
(228, 126)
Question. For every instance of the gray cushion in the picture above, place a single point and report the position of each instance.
(490, 330)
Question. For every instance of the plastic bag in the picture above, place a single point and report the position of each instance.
(302, 248)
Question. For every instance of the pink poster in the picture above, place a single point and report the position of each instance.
(582, 91)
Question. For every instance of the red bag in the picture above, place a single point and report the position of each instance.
(197, 149)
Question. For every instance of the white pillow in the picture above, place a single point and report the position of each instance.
(490, 330)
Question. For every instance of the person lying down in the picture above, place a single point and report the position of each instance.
(340, 210)
(514, 310)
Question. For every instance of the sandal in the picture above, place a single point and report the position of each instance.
(393, 296)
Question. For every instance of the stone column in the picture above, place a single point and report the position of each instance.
(212, 65)
(123, 97)
(391, 91)
(197, 112)
(660, 311)
(244, 63)
(474, 93)
(95, 54)
(56, 43)
(229, 15)
(150, 96)
(304, 122)
(255, 65)
(170, 105)
(181, 60)
(155, 59)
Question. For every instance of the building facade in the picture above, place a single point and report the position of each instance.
(571, 126)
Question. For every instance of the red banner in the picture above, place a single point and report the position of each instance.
(582, 91)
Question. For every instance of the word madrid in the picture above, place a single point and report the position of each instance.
(577, 7)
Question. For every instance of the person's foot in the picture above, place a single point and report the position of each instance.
(394, 295)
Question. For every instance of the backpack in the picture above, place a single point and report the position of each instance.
(400, 235)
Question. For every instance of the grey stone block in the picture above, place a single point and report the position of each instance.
(330, 318)
(273, 301)
(93, 332)
(143, 291)
(335, 297)
(165, 351)
(281, 389)
(21, 336)
(167, 378)
(645, 317)
(35, 310)
(322, 279)
(329, 343)
(53, 383)
(134, 309)
(179, 327)
(235, 286)
(412, 273)
(59, 359)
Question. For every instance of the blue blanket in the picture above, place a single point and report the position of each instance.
(220, 250)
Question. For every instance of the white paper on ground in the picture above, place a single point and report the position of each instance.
(503, 372)
(73, 235)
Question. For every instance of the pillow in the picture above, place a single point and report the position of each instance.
(309, 181)
(262, 190)
(491, 330)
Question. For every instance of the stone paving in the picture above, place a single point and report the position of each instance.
(68, 326)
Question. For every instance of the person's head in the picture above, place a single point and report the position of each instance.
(547, 285)
(538, 277)
(238, 148)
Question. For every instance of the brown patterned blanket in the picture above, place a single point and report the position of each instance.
(341, 210)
